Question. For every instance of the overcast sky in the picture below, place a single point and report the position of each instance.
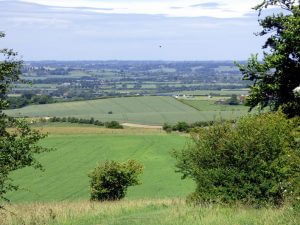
(130, 29)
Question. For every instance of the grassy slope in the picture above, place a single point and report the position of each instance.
(210, 105)
(145, 212)
(79, 151)
(143, 110)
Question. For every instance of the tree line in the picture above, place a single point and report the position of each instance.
(111, 124)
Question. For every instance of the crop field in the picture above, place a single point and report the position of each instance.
(203, 104)
(79, 149)
(151, 110)
(224, 92)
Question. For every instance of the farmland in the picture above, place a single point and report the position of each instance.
(86, 80)
(151, 110)
(79, 149)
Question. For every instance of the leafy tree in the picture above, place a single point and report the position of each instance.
(278, 74)
(257, 161)
(167, 127)
(182, 126)
(233, 100)
(113, 125)
(110, 180)
(18, 146)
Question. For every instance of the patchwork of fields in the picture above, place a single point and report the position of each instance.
(151, 110)
(66, 169)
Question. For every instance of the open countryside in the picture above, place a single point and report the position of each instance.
(77, 153)
(147, 110)
(130, 112)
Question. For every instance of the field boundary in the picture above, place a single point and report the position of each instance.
(141, 126)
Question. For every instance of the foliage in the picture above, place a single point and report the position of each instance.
(232, 100)
(113, 125)
(255, 161)
(186, 127)
(182, 126)
(110, 180)
(167, 127)
(27, 99)
(277, 75)
(76, 120)
(18, 148)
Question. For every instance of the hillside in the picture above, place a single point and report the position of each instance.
(152, 110)
(80, 148)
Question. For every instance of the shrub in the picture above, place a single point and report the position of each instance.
(254, 161)
(167, 127)
(113, 125)
(182, 127)
(110, 180)
(98, 123)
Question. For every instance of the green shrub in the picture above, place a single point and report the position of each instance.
(110, 180)
(254, 161)
(182, 127)
(167, 127)
(113, 125)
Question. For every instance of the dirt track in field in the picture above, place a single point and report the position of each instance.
(141, 126)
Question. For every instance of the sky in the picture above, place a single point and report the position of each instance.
(131, 29)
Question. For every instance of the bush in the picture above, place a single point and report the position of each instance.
(167, 127)
(255, 161)
(110, 180)
(182, 127)
(113, 125)
(98, 123)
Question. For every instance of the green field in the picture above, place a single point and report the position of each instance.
(224, 92)
(210, 105)
(78, 149)
(150, 110)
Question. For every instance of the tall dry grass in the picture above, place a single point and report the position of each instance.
(148, 212)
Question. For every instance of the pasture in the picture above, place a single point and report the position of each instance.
(149, 110)
(79, 149)
(205, 104)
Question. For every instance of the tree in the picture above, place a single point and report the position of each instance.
(256, 161)
(278, 74)
(233, 100)
(110, 180)
(18, 146)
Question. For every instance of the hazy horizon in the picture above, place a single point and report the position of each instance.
(134, 30)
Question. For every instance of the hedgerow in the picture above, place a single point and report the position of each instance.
(255, 161)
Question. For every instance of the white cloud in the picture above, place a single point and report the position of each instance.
(171, 8)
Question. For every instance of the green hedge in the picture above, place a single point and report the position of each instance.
(254, 161)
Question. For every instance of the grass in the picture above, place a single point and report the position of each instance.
(210, 105)
(144, 212)
(151, 110)
(224, 92)
(79, 149)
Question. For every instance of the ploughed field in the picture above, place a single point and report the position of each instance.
(79, 149)
(149, 110)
